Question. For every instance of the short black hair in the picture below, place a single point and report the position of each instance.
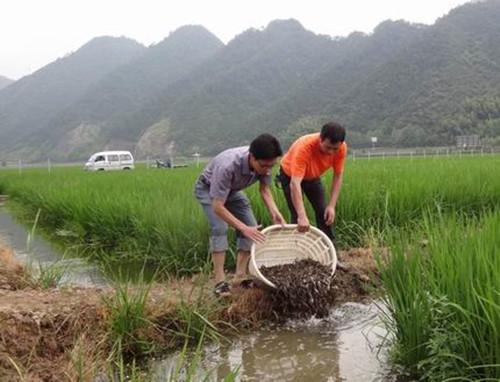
(265, 146)
(333, 131)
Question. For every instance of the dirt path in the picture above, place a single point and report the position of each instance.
(41, 331)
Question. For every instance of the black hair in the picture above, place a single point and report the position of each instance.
(333, 131)
(265, 146)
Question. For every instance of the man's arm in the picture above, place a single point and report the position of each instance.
(267, 197)
(298, 203)
(330, 208)
(250, 232)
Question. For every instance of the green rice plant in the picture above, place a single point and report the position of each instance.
(407, 307)
(130, 216)
(443, 292)
(444, 360)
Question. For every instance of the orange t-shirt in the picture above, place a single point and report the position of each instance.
(305, 159)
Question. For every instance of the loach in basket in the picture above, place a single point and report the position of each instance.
(285, 245)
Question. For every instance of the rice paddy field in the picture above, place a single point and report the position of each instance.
(439, 218)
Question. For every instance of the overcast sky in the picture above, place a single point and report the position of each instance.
(36, 32)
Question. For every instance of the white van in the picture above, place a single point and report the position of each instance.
(110, 160)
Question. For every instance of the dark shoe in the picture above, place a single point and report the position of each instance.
(222, 289)
(247, 284)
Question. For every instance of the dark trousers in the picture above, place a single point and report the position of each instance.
(315, 193)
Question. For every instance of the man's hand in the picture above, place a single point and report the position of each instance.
(278, 218)
(254, 234)
(303, 224)
(329, 215)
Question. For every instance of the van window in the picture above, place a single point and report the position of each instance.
(125, 157)
(99, 158)
(113, 158)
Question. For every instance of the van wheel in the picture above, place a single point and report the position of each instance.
(126, 168)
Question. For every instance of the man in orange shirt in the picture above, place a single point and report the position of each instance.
(308, 158)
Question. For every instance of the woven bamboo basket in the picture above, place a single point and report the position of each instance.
(286, 245)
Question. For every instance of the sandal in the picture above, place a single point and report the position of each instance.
(222, 289)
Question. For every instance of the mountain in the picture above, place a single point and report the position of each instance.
(440, 81)
(419, 96)
(267, 80)
(4, 81)
(89, 121)
(28, 105)
(252, 71)
(408, 84)
(102, 114)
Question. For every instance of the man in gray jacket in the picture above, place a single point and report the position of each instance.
(219, 191)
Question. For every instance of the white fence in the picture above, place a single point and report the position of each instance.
(148, 162)
(422, 152)
(354, 154)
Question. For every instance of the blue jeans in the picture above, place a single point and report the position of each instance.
(238, 204)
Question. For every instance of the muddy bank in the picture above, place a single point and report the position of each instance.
(63, 333)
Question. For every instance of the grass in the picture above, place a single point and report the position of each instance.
(136, 330)
(128, 318)
(45, 275)
(197, 316)
(130, 326)
(443, 291)
(188, 367)
(38, 274)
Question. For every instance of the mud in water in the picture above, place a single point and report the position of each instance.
(345, 346)
(302, 289)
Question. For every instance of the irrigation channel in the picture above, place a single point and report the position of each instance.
(347, 345)
(32, 249)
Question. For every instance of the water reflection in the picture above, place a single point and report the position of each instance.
(40, 251)
(343, 347)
